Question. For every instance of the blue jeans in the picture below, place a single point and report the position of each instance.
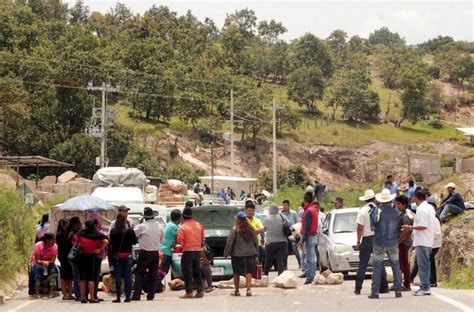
(76, 279)
(310, 257)
(424, 265)
(123, 270)
(379, 253)
(165, 265)
(455, 210)
(294, 246)
(365, 250)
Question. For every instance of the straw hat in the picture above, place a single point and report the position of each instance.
(385, 196)
(368, 194)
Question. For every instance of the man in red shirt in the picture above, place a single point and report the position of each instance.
(191, 238)
(309, 231)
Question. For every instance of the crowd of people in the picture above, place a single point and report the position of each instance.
(389, 224)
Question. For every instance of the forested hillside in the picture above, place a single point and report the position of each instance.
(175, 74)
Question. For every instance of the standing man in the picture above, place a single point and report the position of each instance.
(394, 186)
(292, 218)
(404, 240)
(309, 231)
(423, 234)
(365, 243)
(171, 232)
(385, 242)
(319, 190)
(150, 235)
(257, 226)
(453, 203)
(338, 203)
(191, 238)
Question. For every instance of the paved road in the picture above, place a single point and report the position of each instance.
(304, 298)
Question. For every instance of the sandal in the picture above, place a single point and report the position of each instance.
(249, 293)
(235, 293)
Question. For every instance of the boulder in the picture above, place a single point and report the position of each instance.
(287, 279)
(389, 274)
(229, 284)
(176, 284)
(263, 282)
(326, 273)
(67, 176)
(335, 279)
(319, 280)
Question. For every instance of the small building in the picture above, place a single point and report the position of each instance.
(468, 132)
(236, 183)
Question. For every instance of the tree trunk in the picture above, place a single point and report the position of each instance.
(399, 122)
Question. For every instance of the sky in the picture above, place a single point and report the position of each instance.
(416, 20)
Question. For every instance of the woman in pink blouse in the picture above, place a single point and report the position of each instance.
(44, 255)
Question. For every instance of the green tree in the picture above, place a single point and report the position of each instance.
(310, 51)
(270, 31)
(386, 37)
(288, 119)
(184, 173)
(141, 158)
(414, 85)
(80, 13)
(306, 86)
(80, 150)
(353, 95)
(337, 41)
(119, 142)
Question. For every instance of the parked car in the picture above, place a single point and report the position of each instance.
(337, 244)
(218, 222)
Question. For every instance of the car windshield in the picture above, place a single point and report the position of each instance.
(345, 222)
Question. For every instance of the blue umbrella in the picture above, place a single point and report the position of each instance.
(86, 203)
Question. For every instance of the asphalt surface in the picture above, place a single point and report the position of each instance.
(304, 298)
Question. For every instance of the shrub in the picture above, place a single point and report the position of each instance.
(17, 232)
(184, 173)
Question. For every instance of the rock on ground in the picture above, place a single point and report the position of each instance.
(319, 280)
(287, 279)
(335, 279)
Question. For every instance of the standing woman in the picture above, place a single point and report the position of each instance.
(74, 227)
(91, 243)
(122, 239)
(64, 246)
(276, 243)
(242, 247)
(42, 227)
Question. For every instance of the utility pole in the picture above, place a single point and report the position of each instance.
(232, 121)
(274, 107)
(103, 118)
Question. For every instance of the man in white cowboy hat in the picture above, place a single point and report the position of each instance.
(365, 242)
(386, 242)
(453, 203)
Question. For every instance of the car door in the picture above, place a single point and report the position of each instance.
(323, 240)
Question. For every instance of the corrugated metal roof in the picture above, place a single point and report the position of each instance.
(467, 131)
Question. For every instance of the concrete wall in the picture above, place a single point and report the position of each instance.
(427, 166)
(467, 165)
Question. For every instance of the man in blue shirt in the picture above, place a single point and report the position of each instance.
(411, 190)
(392, 186)
(386, 242)
(453, 203)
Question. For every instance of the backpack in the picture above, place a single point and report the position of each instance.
(374, 214)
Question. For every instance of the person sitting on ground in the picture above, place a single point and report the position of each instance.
(43, 267)
(241, 246)
(338, 203)
(453, 203)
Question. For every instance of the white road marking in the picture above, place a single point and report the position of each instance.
(21, 306)
(453, 302)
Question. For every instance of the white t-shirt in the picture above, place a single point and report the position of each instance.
(363, 218)
(425, 216)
